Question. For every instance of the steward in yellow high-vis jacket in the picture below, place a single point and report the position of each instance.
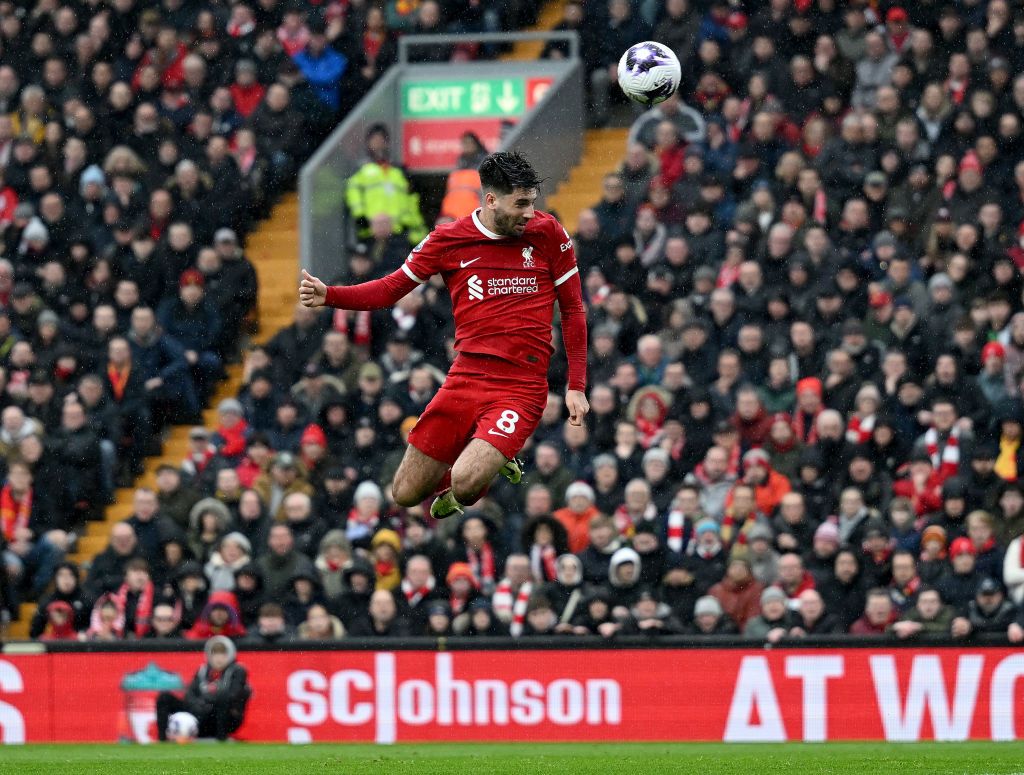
(378, 187)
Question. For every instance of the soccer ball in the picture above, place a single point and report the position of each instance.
(649, 72)
(182, 727)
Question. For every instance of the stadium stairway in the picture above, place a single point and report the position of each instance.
(274, 250)
(549, 16)
(603, 150)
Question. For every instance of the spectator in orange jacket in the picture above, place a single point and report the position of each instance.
(769, 485)
(739, 592)
(577, 515)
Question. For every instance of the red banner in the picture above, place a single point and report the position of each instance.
(613, 695)
(431, 144)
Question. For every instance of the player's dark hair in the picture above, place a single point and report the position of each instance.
(506, 171)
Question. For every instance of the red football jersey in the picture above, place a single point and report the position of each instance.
(502, 288)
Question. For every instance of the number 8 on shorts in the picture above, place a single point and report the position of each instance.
(507, 421)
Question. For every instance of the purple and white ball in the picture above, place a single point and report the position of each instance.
(649, 72)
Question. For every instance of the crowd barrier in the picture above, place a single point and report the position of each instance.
(536, 691)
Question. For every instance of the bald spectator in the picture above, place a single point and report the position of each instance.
(107, 569)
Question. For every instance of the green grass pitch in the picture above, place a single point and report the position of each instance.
(528, 759)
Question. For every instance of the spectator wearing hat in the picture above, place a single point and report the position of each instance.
(322, 66)
(809, 404)
(162, 364)
(709, 618)
(774, 620)
(209, 520)
(577, 514)
(239, 275)
(193, 322)
(463, 588)
(234, 553)
(232, 432)
(762, 555)
(284, 478)
(739, 593)
(952, 517)
(958, 583)
(982, 482)
(769, 485)
(992, 380)
(988, 613)
(333, 554)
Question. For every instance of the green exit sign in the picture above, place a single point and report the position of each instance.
(486, 97)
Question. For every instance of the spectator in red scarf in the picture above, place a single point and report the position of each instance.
(647, 410)
(219, 617)
(479, 549)
(988, 555)
(793, 578)
(463, 587)
(35, 545)
(670, 150)
(135, 599)
(292, 34)
(750, 418)
(365, 514)
(544, 539)
(922, 487)
(167, 56)
(386, 549)
(246, 91)
(232, 430)
(808, 406)
(417, 590)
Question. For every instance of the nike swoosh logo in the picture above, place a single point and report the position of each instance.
(464, 264)
(495, 433)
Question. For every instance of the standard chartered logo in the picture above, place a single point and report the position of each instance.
(502, 286)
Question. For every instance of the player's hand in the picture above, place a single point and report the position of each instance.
(312, 292)
(578, 406)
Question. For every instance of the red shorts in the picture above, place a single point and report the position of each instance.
(482, 398)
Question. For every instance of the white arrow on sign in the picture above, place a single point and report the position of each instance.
(507, 100)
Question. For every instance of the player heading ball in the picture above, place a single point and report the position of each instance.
(496, 389)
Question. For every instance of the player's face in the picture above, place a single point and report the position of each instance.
(513, 211)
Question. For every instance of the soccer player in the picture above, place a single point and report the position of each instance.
(505, 266)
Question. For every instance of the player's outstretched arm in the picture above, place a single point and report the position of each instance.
(375, 294)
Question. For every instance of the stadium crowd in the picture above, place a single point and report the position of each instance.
(139, 143)
(807, 352)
